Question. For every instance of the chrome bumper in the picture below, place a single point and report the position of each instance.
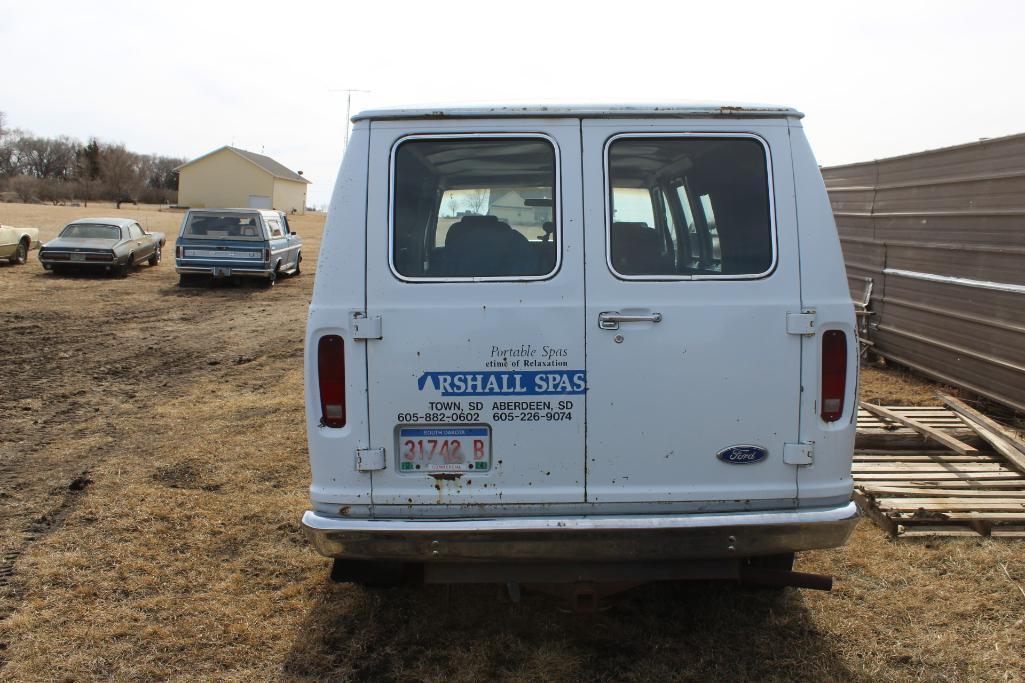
(592, 538)
(212, 271)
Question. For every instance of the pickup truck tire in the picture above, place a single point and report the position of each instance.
(20, 255)
(186, 280)
(154, 258)
(298, 264)
(269, 281)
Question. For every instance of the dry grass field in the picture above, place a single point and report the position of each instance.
(153, 472)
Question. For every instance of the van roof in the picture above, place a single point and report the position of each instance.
(623, 110)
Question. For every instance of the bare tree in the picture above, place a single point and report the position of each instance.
(453, 205)
(25, 187)
(477, 201)
(48, 157)
(120, 173)
(8, 149)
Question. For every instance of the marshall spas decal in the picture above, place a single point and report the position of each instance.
(511, 383)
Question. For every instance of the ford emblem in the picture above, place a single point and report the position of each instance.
(742, 455)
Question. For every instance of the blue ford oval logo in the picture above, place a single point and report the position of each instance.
(743, 455)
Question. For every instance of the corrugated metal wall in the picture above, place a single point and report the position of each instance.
(942, 235)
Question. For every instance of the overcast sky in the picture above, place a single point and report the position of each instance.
(181, 78)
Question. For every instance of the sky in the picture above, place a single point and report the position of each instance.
(874, 79)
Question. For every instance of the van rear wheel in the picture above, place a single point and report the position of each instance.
(368, 573)
(783, 562)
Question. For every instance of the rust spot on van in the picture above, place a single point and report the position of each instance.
(446, 476)
(344, 510)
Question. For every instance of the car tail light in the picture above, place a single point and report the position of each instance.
(331, 373)
(834, 374)
(100, 257)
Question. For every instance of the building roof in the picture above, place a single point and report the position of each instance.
(275, 168)
(119, 222)
(666, 110)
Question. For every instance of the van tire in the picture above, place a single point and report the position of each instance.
(781, 562)
(368, 573)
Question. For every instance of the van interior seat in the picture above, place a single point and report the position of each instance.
(483, 246)
(637, 250)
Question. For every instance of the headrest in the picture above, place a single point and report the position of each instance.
(474, 220)
(476, 225)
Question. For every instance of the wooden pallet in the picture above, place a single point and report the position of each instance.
(879, 434)
(918, 492)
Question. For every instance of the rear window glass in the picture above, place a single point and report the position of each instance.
(474, 208)
(685, 207)
(92, 231)
(214, 225)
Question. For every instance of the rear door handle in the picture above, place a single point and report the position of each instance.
(609, 320)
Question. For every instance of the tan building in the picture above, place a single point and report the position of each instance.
(234, 178)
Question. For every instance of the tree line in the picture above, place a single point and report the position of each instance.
(62, 170)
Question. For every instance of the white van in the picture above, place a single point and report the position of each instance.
(580, 343)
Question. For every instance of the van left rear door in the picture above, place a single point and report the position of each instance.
(475, 269)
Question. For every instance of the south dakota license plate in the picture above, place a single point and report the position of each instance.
(444, 449)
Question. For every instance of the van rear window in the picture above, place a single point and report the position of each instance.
(689, 207)
(474, 207)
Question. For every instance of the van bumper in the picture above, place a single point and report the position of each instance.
(591, 538)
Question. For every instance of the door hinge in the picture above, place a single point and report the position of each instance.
(801, 323)
(369, 459)
(798, 453)
(366, 328)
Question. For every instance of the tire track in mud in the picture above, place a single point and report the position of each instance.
(83, 371)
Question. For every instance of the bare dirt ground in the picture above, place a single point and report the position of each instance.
(153, 472)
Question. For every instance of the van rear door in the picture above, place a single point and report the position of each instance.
(475, 272)
(692, 268)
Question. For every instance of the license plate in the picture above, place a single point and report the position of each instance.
(78, 257)
(444, 449)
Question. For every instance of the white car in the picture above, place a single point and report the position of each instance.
(16, 243)
(580, 343)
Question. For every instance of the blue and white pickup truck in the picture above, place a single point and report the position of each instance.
(229, 243)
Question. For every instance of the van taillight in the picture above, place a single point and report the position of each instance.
(266, 255)
(834, 374)
(178, 251)
(331, 373)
